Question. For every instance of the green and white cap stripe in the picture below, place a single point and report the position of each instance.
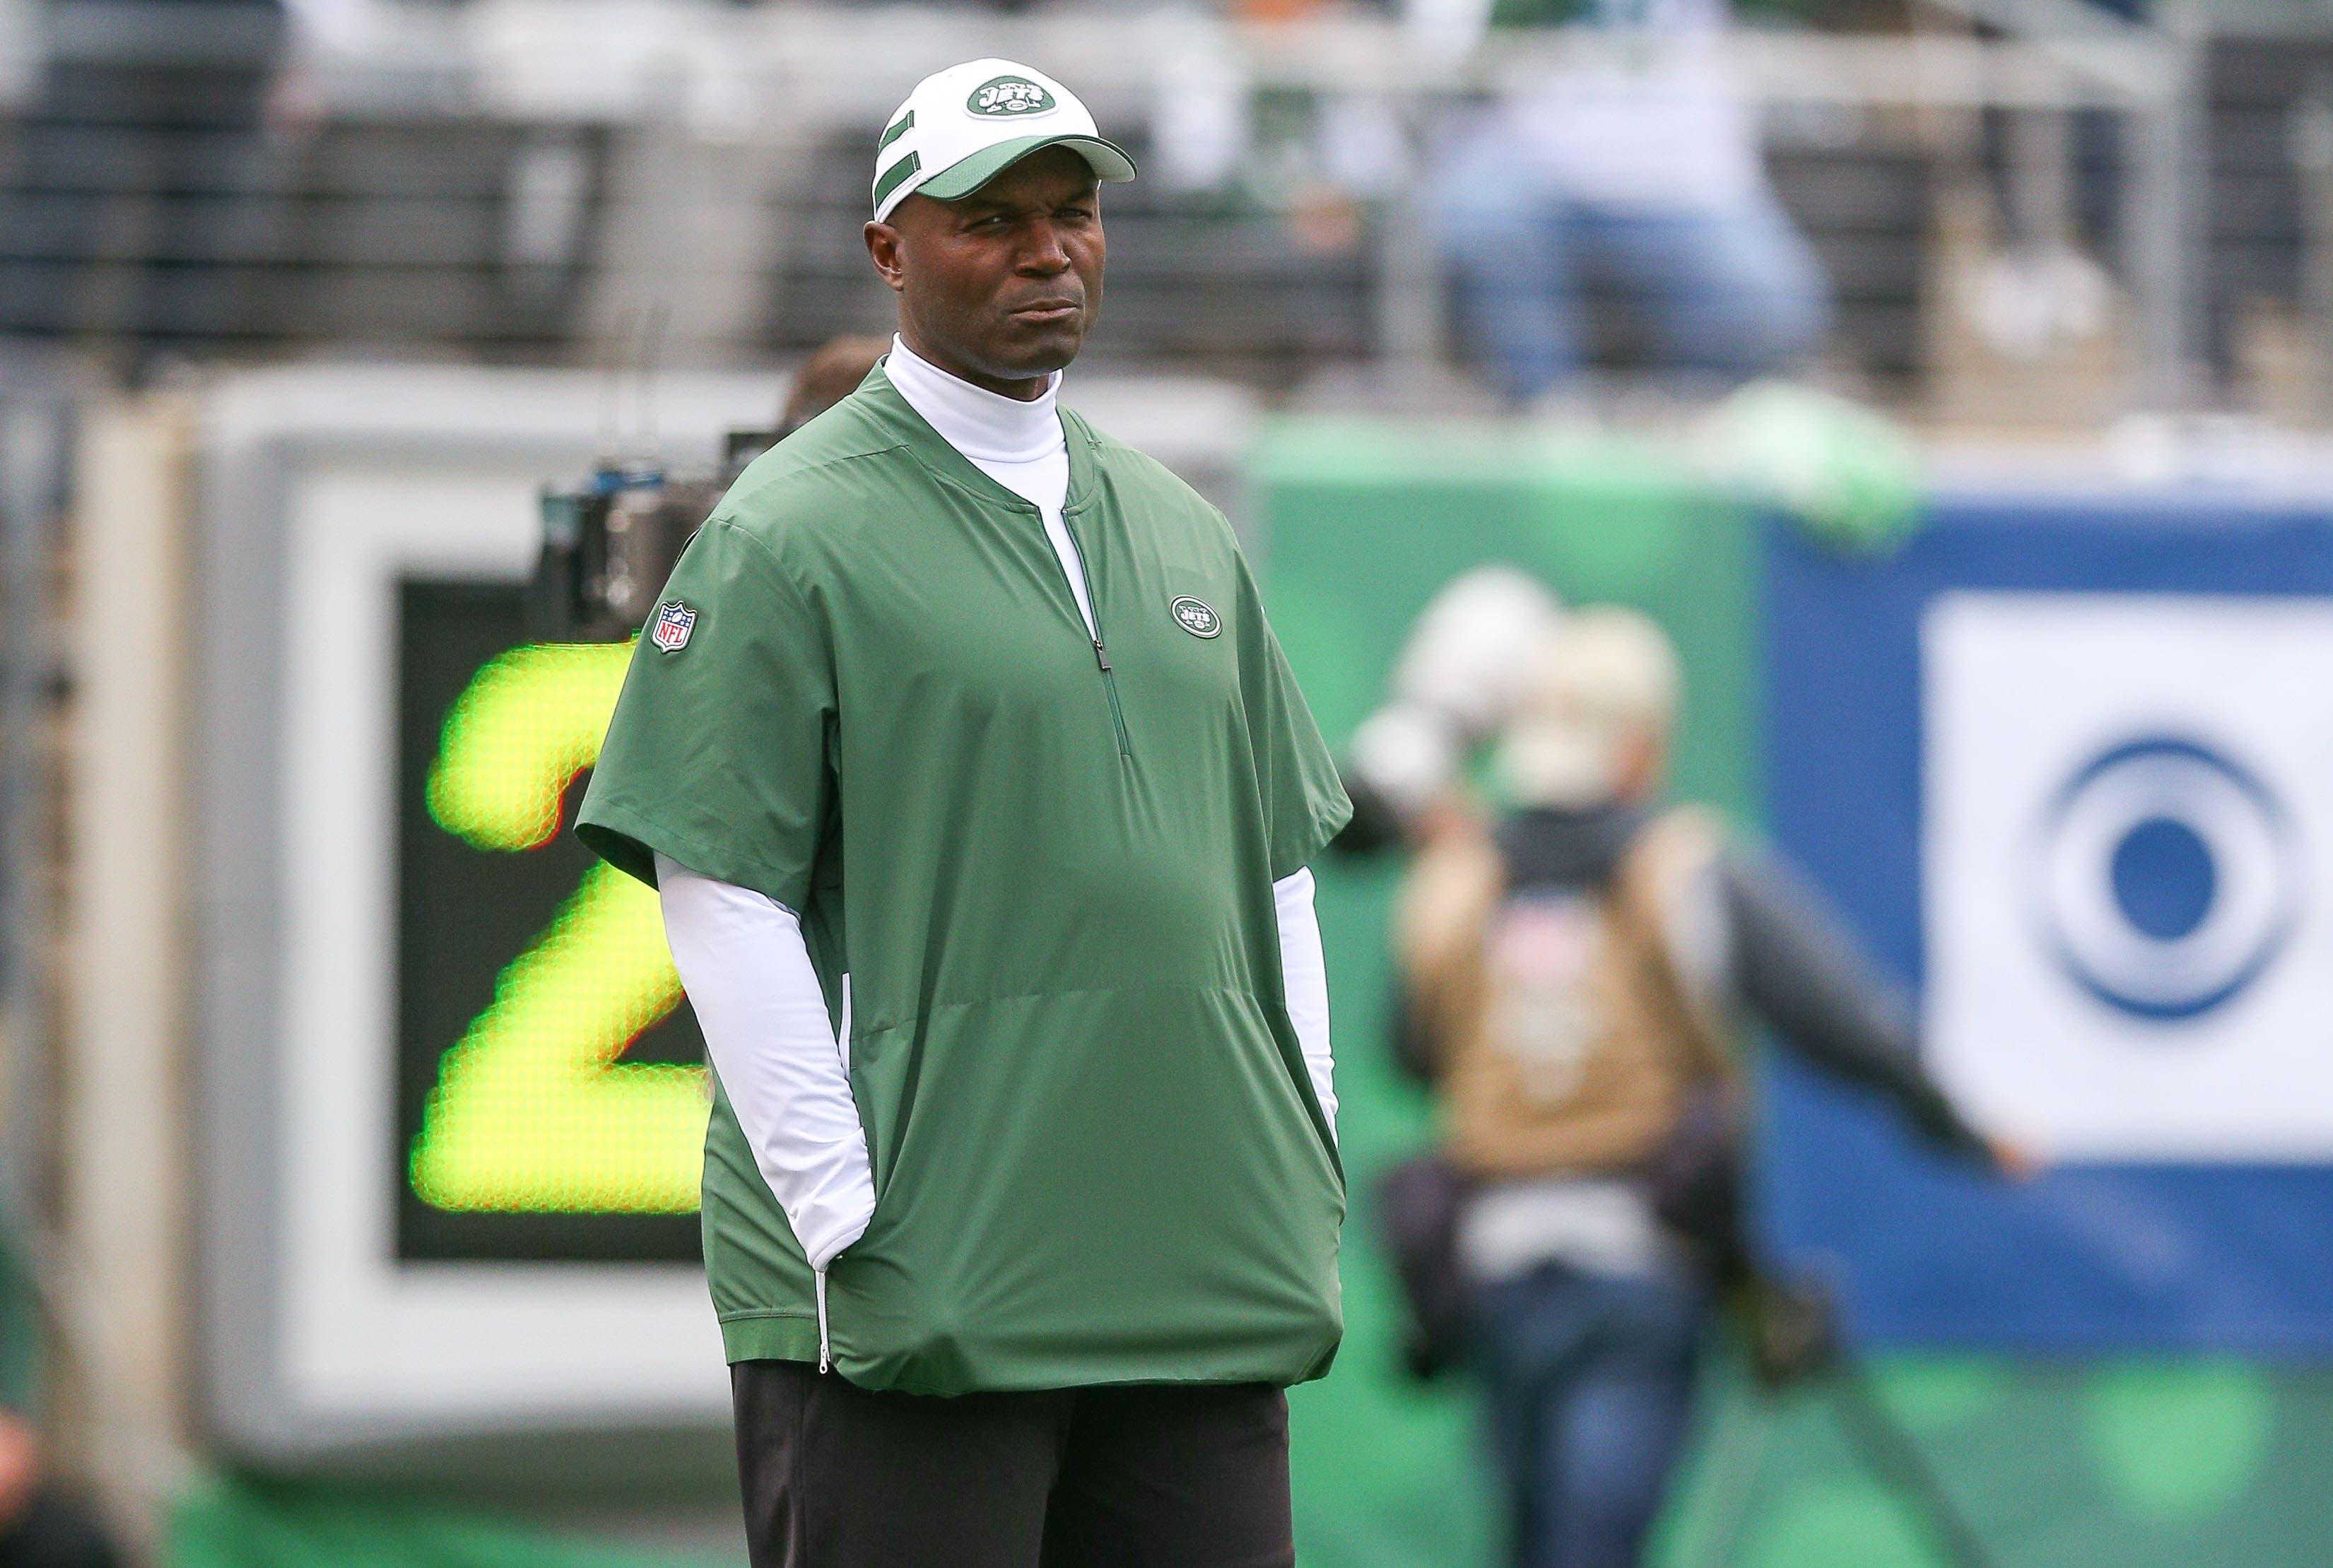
(964, 126)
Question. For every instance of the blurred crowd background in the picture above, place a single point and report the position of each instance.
(1979, 211)
(1949, 380)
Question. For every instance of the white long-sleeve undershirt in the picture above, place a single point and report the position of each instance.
(740, 955)
(747, 973)
(1304, 980)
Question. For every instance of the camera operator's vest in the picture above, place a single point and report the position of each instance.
(1566, 1039)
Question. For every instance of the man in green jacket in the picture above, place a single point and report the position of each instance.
(979, 797)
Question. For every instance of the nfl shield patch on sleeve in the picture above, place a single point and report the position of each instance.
(674, 622)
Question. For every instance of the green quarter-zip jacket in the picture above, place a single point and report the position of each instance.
(1045, 861)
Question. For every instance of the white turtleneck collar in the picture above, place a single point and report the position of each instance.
(985, 426)
(1018, 444)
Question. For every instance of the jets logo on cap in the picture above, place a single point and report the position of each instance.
(674, 622)
(1007, 96)
(1195, 618)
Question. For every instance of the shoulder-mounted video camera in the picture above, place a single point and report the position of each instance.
(610, 541)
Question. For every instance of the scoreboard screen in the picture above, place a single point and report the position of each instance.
(453, 1102)
(551, 1098)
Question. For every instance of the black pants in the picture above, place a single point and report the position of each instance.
(837, 1477)
(56, 1532)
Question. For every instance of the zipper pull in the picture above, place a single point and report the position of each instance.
(825, 1349)
(1102, 655)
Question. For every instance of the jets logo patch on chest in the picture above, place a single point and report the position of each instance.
(1196, 616)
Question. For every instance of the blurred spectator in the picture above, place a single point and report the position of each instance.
(1572, 975)
(828, 376)
(1642, 165)
(2047, 284)
(39, 1527)
(163, 99)
(167, 98)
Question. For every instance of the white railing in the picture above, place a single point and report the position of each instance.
(712, 102)
(736, 70)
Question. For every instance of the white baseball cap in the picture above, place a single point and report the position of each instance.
(963, 127)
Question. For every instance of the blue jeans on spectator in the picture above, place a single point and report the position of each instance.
(1589, 1381)
(1734, 290)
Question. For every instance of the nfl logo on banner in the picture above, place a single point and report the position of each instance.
(674, 622)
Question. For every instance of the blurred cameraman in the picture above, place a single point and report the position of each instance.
(1572, 973)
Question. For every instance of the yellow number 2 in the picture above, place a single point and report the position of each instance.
(533, 1112)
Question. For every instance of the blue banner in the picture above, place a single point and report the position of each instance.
(2068, 765)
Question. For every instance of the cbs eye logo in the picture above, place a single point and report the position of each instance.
(2165, 878)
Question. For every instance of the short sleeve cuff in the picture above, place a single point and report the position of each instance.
(630, 838)
(1322, 822)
